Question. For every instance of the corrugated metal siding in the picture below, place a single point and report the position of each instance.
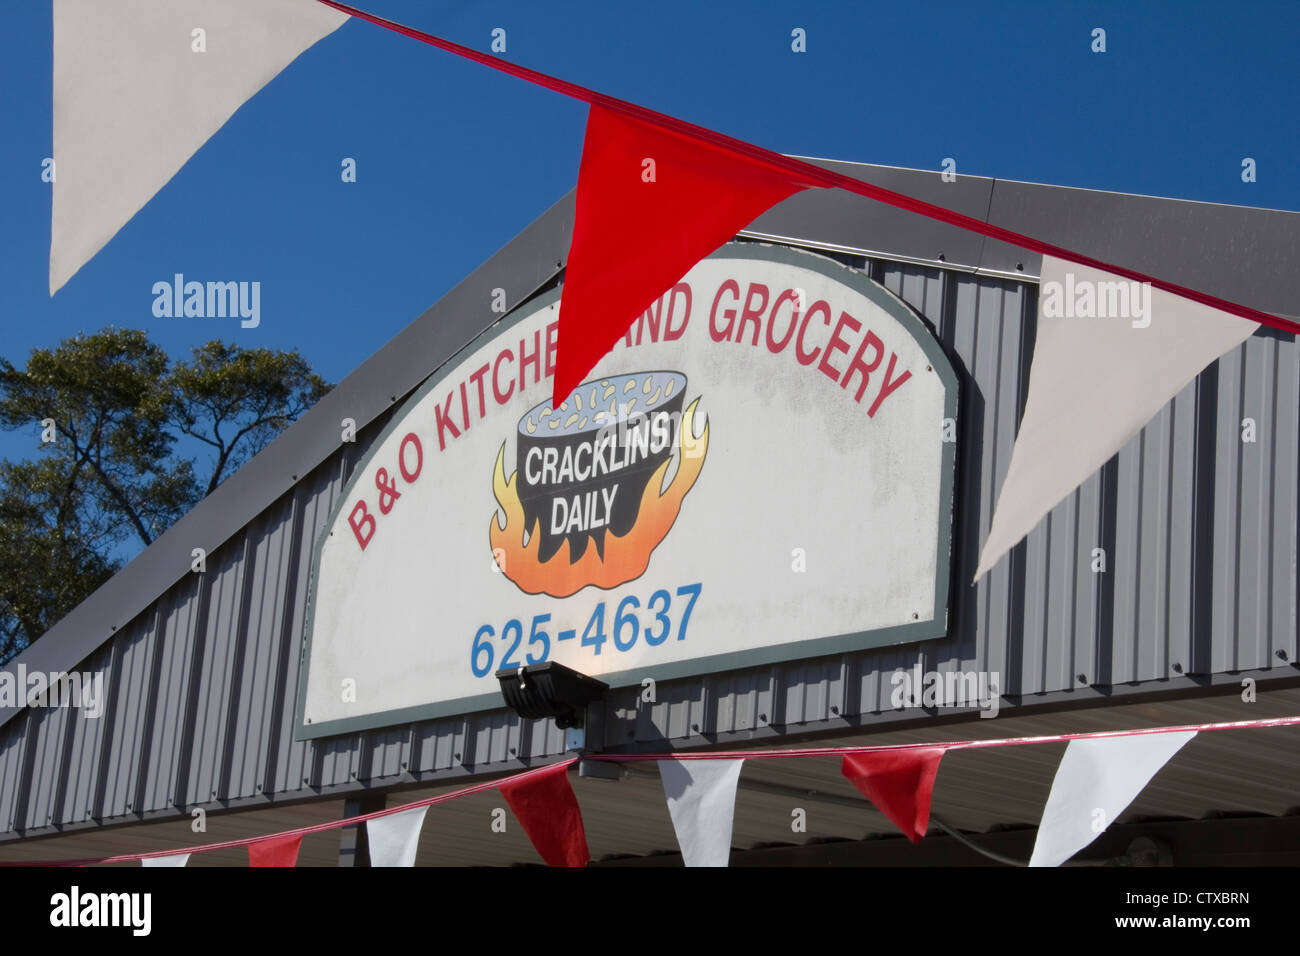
(290, 768)
(168, 690)
(1153, 568)
(132, 671)
(203, 686)
(1256, 506)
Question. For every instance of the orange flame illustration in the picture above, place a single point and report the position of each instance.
(625, 558)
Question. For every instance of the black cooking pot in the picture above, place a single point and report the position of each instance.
(584, 466)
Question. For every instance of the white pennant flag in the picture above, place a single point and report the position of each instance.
(176, 859)
(702, 802)
(140, 85)
(1096, 780)
(1109, 355)
(395, 838)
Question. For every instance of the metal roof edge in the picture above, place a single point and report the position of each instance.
(1240, 253)
(1180, 240)
(827, 161)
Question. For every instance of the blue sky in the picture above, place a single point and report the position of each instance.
(455, 159)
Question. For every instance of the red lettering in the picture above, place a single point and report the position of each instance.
(525, 360)
(857, 365)
(837, 344)
(502, 397)
(388, 493)
(362, 522)
(773, 345)
(651, 317)
(750, 314)
(552, 343)
(477, 379)
(442, 417)
(671, 334)
(412, 439)
(721, 335)
(807, 358)
(464, 406)
(887, 388)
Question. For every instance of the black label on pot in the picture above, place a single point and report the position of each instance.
(583, 467)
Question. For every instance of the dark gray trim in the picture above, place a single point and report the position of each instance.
(1235, 252)
(838, 221)
(1239, 253)
(936, 627)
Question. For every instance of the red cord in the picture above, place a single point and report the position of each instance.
(631, 758)
(816, 174)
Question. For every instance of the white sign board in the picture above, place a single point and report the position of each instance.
(761, 470)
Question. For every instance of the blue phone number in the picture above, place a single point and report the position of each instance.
(625, 630)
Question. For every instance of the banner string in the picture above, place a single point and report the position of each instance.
(814, 174)
(302, 831)
(629, 758)
(953, 745)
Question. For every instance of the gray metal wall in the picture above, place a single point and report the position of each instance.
(1199, 530)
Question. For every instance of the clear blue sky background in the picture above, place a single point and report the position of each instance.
(455, 159)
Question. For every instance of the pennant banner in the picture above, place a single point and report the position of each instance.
(276, 851)
(651, 203)
(801, 170)
(140, 85)
(395, 838)
(1095, 781)
(702, 803)
(916, 776)
(548, 811)
(175, 859)
(756, 171)
(900, 784)
(1109, 354)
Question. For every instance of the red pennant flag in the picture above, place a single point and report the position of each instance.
(900, 784)
(546, 807)
(278, 851)
(652, 202)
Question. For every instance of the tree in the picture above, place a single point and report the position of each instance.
(122, 416)
(237, 401)
(53, 550)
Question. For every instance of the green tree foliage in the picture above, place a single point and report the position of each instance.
(238, 400)
(119, 472)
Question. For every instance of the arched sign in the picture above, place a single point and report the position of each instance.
(761, 470)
